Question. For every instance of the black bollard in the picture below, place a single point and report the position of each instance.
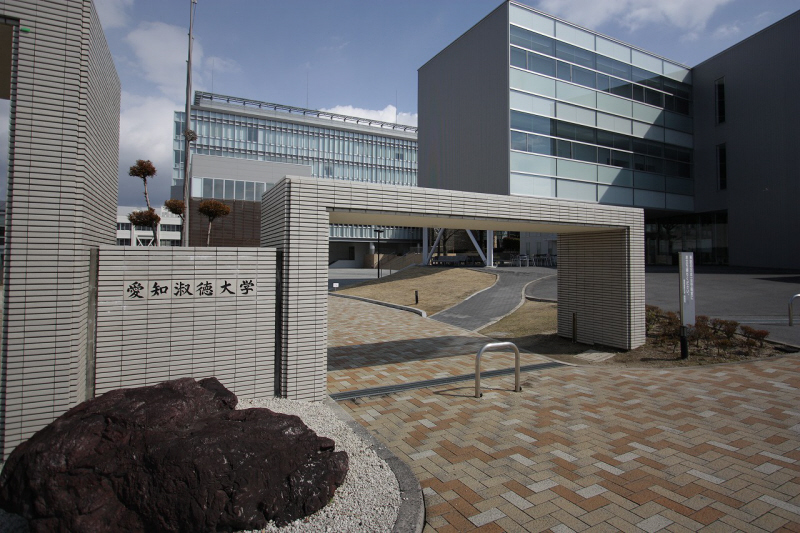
(684, 344)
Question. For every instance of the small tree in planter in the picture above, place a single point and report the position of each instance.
(144, 169)
(147, 218)
(176, 207)
(213, 209)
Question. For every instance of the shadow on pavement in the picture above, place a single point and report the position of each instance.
(401, 351)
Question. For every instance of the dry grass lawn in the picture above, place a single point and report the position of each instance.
(533, 327)
(439, 288)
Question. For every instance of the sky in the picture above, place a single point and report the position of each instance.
(356, 57)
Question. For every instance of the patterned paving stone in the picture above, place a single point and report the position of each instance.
(660, 463)
(378, 346)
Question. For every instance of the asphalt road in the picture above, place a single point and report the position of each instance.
(749, 296)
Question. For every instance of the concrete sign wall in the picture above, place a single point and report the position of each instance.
(165, 313)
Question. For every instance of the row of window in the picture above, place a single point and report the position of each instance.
(537, 144)
(267, 123)
(126, 226)
(550, 187)
(319, 168)
(555, 48)
(576, 132)
(148, 242)
(360, 231)
(595, 80)
(222, 189)
(281, 137)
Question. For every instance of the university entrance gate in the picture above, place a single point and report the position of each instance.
(256, 318)
(600, 259)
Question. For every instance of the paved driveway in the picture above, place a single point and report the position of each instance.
(756, 298)
(583, 448)
(495, 302)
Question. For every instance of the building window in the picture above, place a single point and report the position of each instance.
(123, 242)
(719, 98)
(722, 167)
(125, 226)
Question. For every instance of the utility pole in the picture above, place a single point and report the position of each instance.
(188, 135)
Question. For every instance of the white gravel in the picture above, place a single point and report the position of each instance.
(369, 498)
(367, 501)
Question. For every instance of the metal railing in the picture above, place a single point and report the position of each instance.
(496, 346)
(200, 97)
(791, 301)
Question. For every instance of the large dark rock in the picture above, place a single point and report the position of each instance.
(171, 457)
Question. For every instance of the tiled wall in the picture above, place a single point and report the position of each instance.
(293, 223)
(62, 195)
(599, 287)
(603, 263)
(164, 313)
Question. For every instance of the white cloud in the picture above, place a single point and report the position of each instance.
(220, 65)
(161, 51)
(146, 125)
(387, 114)
(113, 13)
(687, 15)
(146, 120)
(726, 31)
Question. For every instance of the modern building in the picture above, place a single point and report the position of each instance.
(169, 229)
(527, 104)
(244, 146)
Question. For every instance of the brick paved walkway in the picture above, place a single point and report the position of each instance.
(591, 449)
(371, 345)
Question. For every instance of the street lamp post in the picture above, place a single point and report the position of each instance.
(379, 232)
(189, 135)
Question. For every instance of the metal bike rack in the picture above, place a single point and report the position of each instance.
(791, 301)
(496, 346)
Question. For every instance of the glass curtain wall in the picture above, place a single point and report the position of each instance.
(705, 234)
(331, 153)
(595, 120)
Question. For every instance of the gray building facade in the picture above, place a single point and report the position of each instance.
(747, 161)
(527, 104)
(327, 144)
(556, 111)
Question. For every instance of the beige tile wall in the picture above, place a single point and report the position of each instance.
(149, 335)
(62, 195)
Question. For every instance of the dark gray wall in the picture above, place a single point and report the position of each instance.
(463, 111)
(762, 77)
